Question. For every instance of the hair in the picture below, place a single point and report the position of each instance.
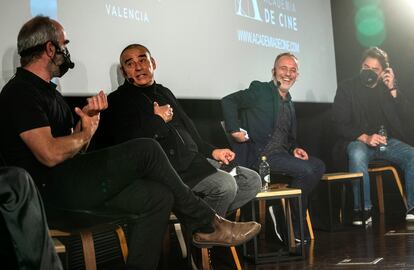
(286, 54)
(32, 37)
(377, 53)
(132, 46)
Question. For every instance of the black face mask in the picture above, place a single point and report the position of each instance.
(368, 77)
(67, 62)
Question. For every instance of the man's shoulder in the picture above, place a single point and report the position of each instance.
(17, 88)
(258, 84)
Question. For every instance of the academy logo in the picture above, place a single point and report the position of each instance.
(248, 9)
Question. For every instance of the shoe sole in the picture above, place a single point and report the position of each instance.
(218, 244)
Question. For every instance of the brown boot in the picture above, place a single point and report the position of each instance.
(227, 233)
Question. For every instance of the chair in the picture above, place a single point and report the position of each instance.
(377, 168)
(66, 223)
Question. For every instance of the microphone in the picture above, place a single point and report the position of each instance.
(131, 80)
(278, 83)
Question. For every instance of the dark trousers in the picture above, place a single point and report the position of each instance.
(22, 210)
(305, 174)
(133, 177)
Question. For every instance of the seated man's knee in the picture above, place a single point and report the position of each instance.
(357, 153)
(16, 178)
(227, 187)
(249, 178)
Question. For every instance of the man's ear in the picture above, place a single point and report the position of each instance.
(123, 71)
(50, 49)
(154, 64)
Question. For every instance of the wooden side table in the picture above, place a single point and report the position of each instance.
(292, 252)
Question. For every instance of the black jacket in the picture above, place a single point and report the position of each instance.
(349, 119)
(130, 115)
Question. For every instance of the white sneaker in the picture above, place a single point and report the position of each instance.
(410, 215)
(272, 214)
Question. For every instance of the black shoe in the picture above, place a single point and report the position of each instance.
(357, 217)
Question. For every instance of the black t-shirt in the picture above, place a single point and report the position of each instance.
(28, 102)
(373, 113)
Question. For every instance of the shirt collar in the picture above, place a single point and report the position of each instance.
(34, 79)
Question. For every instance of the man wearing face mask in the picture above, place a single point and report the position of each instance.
(135, 177)
(262, 122)
(362, 105)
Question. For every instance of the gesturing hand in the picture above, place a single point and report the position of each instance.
(96, 104)
(165, 112)
(88, 124)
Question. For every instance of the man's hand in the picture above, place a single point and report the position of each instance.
(374, 140)
(165, 112)
(96, 104)
(300, 153)
(87, 124)
(239, 136)
(388, 78)
(223, 155)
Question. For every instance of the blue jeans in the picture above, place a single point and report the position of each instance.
(225, 193)
(401, 154)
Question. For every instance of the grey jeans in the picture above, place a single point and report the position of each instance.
(226, 193)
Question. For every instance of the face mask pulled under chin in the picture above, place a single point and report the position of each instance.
(66, 64)
(368, 77)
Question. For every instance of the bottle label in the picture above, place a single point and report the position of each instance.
(267, 178)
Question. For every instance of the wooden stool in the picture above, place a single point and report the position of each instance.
(377, 169)
(342, 177)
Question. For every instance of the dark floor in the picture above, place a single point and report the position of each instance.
(329, 248)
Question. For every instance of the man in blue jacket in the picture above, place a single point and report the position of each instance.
(262, 122)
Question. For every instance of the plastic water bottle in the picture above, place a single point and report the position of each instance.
(264, 171)
(383, 132)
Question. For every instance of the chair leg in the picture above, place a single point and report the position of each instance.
(88, 250)
(205, 259)
(380, 193)
(262, 217)
(235, 258)
(122, 242)
(399, 185)
(181, 240)
(310, 228)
